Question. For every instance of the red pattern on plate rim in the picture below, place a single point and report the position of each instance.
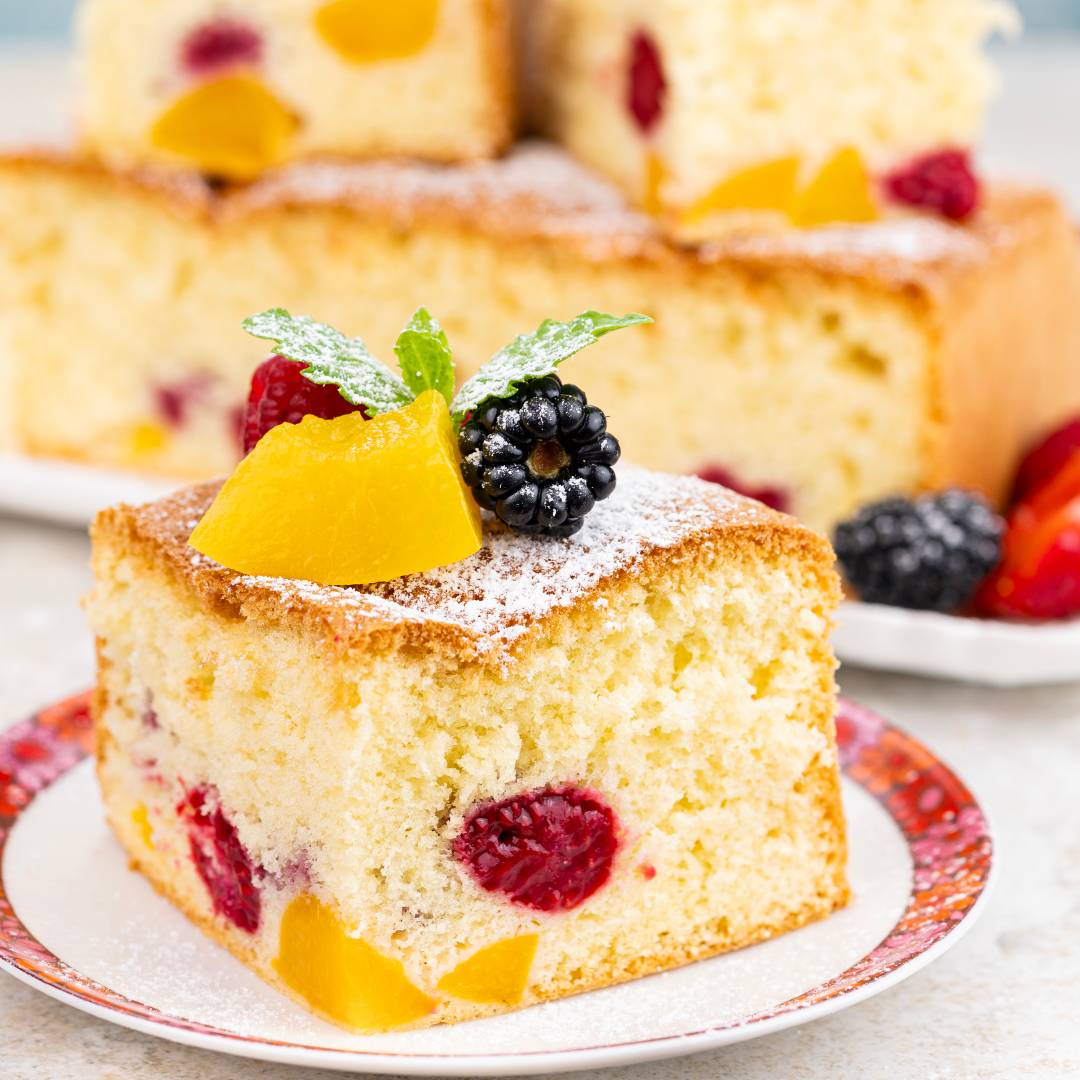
(946, 831)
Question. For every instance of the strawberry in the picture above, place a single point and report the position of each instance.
(1039, 576)
(1044, 460)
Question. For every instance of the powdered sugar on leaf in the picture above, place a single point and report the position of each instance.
(332, 359)
(532, 356)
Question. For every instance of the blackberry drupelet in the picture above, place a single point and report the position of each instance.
(540, 459)
(929, 553)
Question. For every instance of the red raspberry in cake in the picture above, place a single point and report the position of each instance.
(943, 181)
(1039, 576)
(219, 44)
(549, 849)
(775, 497)
(281, 395)
(1046, 459)
(174, 401)
(222, 861)
(646, 85)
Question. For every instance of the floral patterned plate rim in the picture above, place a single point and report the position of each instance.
(931, 815)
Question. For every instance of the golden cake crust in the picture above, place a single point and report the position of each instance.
(485, 608)
(538, 192)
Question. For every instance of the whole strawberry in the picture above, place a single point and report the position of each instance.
(1046, 459)
(1039, 576)
(281, 395)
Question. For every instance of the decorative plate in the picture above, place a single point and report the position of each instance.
(988, 651)
(76, 924)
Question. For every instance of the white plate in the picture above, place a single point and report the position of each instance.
(988, 651)
(67, 493)
(77, 924)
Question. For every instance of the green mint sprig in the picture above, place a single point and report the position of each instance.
(332, 359)
(532, 356)
(425, 358)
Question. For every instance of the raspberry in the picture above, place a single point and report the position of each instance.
(646, 86)
(932, 553)
(943, 181)
(775, 497)
(1046, 459)
(540, 459)
(281, 395)
(220, 43)
(549, 849)
(222, 861)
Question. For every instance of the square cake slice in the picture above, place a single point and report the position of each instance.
(551, 767)
(233, 90)
(730, 105)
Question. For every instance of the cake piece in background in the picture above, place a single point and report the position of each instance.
(827, 367)
(738, 112)
(231, 89)
(554, 766)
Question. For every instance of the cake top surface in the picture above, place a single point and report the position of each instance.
(538, 192)
(480, 607)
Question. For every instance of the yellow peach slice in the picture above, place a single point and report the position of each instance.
(496, 974)
(140, 817)
(146, 439)
(367, 31)
(232, 127)
(655, 175)
(342, 976)
(841, 191)
(767, 186)
(346, 501)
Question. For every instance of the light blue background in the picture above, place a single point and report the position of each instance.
(51, 18)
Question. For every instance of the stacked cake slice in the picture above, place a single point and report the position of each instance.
(233, 90)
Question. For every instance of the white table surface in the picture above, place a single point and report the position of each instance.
(1004, 1004)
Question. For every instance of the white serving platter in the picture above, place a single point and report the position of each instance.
(990, 652)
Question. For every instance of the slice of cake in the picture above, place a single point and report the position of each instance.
(232, 90)
(820, 369)
(786, 108)
(554, 766)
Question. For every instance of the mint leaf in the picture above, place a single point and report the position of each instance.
(531, 356)
(332, 359)
(424, 355)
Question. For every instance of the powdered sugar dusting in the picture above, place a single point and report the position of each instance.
(536, 188)
(492, 598)
(906, 238)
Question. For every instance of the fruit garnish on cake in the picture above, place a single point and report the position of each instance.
(353, 472)
(950, 552)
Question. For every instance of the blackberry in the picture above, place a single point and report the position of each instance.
(539, 459)
(929, 553)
